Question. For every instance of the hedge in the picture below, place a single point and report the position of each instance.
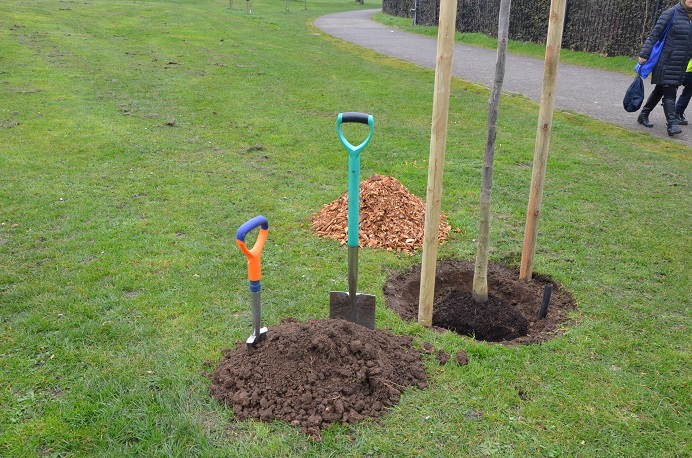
(607, 27)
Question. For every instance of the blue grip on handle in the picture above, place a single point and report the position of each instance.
(250, 225)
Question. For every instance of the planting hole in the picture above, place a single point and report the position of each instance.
(509, 316)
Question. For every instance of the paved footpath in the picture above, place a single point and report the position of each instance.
(596, 93)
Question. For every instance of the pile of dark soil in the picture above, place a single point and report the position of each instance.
(510, 316)
(390, 217)
(316, 373)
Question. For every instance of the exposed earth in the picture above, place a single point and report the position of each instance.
(316, 373)
(509, 317)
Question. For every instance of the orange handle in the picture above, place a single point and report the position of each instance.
(254, 266)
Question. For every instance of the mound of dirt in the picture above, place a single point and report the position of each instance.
(316, 373)
(390, 217)
(510, 316)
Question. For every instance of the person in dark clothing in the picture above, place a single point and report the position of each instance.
(670, 69)
(684, 99)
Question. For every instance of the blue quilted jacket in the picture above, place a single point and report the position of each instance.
(677, 50)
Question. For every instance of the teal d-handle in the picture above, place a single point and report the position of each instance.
(354, 169)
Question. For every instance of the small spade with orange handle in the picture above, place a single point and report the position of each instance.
(254, 270)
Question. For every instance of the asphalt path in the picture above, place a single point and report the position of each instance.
(595, 93)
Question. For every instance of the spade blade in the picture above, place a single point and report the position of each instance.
(359, 309)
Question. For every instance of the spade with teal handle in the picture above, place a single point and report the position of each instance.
(351, 306)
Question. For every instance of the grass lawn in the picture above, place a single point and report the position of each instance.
(136, 136)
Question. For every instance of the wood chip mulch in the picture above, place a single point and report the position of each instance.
(390, 217)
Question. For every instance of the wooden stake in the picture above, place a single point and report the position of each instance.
(480, 270)
(545, 121)
(438, 142)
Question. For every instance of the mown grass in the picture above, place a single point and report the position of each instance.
(621, 64)
(137, 137)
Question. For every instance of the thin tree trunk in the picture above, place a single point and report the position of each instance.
(480, 272)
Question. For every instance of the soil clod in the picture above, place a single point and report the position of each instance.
(462, 358)
(428, 347)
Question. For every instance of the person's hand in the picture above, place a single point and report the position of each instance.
(642, 61)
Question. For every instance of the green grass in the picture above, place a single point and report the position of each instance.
(137, 136)
(621, 64)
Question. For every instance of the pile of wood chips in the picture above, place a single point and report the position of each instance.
(390, 217)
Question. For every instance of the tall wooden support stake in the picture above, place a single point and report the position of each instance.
(480, 271)
(438, 142)
(545, 122)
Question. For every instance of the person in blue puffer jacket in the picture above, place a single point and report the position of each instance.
(669, 72)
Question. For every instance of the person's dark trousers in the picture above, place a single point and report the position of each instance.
(655, 97)
(667, 93)
(684, 99)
